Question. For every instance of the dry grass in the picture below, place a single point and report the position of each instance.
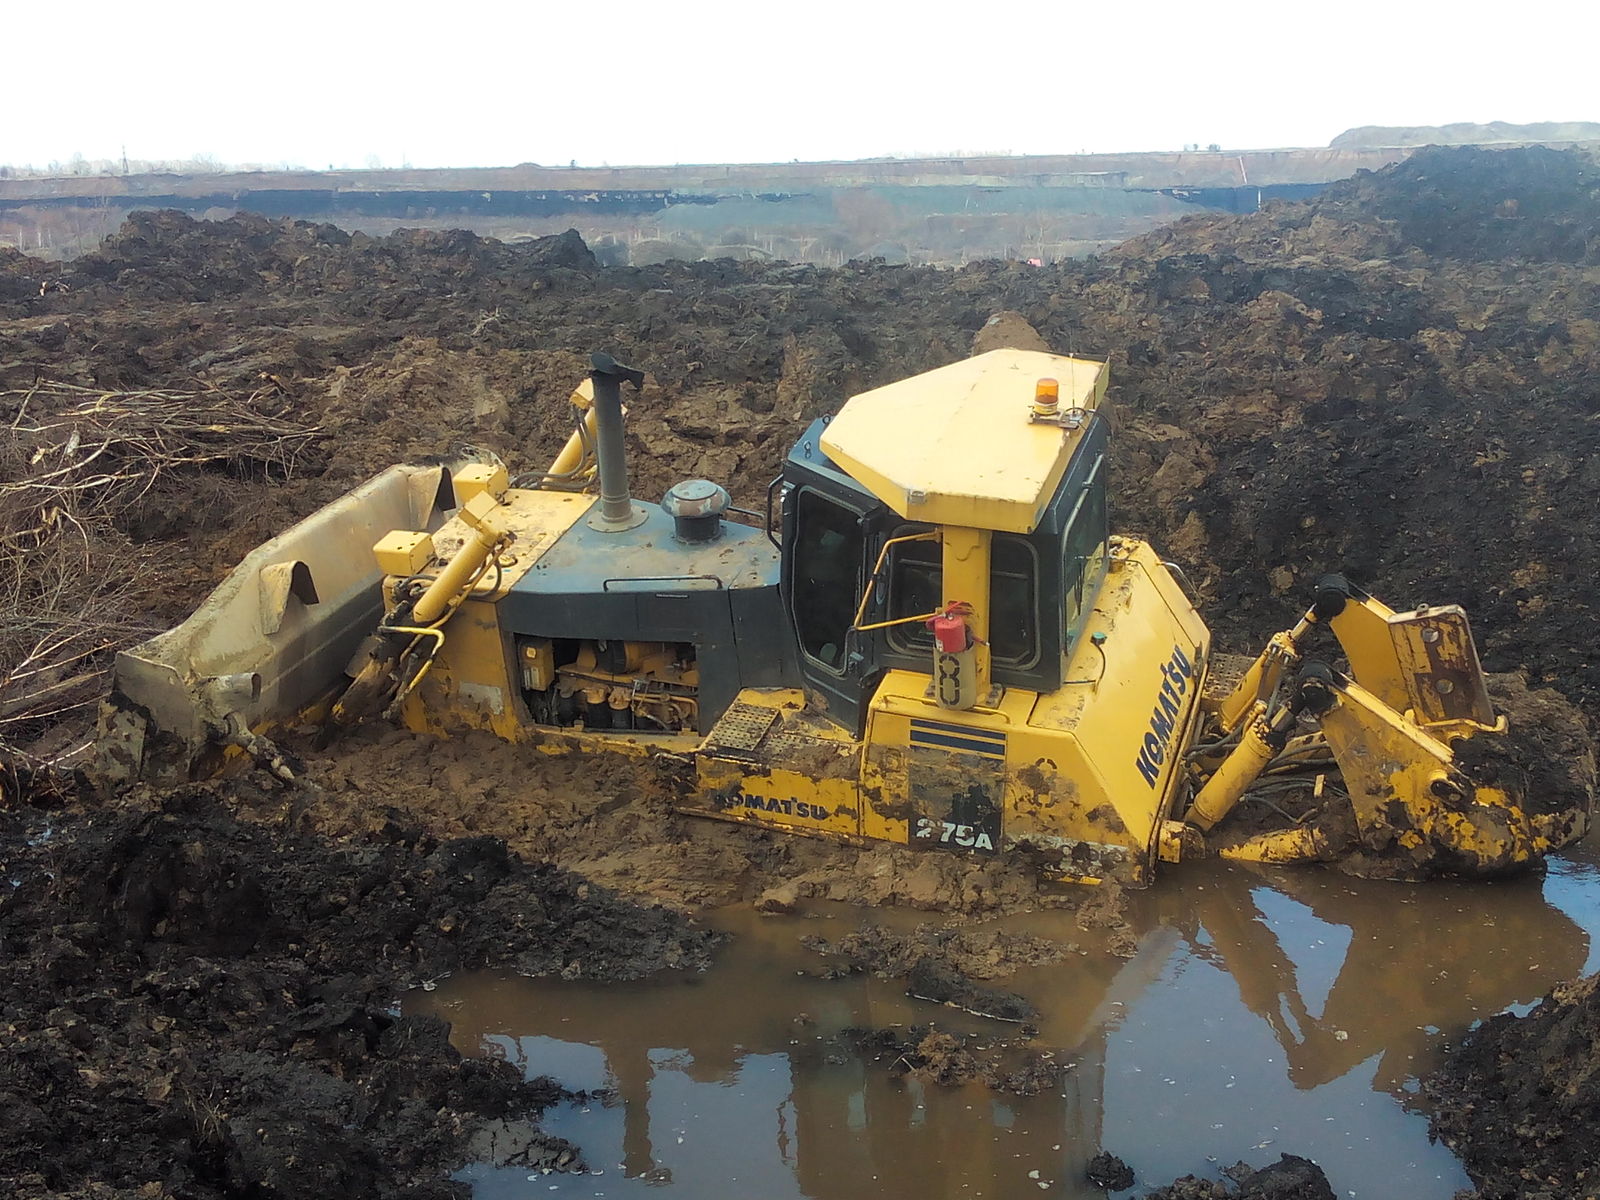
(75, 463)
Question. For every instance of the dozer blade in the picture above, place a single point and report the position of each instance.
(1440, 768)
(270, 644)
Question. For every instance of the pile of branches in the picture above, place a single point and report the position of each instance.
(74, 464)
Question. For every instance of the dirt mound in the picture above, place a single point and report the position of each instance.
(21, 278)
(1007, 331)
(169, 256)
(1465, 132)
(1530, 202)
(974, 951)
(219, 995)
(1547, 755)
(1517, 1098)
(939, 983)
(941, 964)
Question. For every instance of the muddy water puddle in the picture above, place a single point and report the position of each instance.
(1264, 1012)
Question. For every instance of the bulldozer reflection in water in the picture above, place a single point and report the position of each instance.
(932, 638)
(1387, 998)
(796, 1113)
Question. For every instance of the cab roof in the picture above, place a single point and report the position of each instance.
(957, 445)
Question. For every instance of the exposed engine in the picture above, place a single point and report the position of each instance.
(639, 686)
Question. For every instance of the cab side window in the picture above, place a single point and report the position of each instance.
(1014, 602)
(1084, 556)
(914, 587)
(827, 565)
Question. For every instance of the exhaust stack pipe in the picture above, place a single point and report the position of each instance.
(617, 511)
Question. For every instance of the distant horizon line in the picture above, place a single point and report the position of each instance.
(80, 166)
(94, 168)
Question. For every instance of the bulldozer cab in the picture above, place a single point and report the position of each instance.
(994, 669)
(896, 508)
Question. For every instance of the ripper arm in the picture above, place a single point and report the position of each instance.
(1423, 662)
(1414, 690)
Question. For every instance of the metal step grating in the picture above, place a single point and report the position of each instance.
(1226, 672)
(741, 729)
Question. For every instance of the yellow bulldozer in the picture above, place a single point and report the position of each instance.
(929, 637)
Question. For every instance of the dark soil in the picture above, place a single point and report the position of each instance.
(1109, 1173)
(941, 983)
(1290, 1178)
(1519, 1099)
(197, 1007)
(1530, 203)
(1547, 755)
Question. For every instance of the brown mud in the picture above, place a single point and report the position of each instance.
(1400, 378)
(611, 820)
(194, 1006)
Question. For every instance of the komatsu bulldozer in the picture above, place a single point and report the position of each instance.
(929, 637)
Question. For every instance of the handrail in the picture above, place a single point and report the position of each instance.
(772, 487)
(605, 584)
(931, 535)
(417, 632)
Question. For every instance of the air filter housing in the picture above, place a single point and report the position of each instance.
(696, 507)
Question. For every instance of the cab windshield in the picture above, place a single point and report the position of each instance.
(915, 579)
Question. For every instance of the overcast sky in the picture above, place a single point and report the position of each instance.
(492, 82)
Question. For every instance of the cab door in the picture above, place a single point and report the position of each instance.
(824, 568)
